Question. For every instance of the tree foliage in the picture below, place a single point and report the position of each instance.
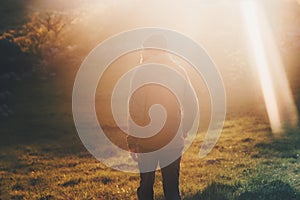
(42, 35)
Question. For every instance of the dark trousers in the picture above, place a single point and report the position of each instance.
(170, 177)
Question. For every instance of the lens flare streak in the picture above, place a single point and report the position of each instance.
(277, 94)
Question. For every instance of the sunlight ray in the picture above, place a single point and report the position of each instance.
(277, 94)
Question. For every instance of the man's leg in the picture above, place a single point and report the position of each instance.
(145, 190)
(170, 176)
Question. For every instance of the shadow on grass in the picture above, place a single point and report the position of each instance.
(275, 190)
(215, 191)
(285, 145)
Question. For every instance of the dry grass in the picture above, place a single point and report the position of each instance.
(42, 158)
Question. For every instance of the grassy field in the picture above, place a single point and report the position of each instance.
(42, 157)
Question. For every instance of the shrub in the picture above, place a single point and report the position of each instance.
(42, 35)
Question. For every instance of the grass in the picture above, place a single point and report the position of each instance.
(43, 158)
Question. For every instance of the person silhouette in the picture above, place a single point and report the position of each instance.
(140, 103)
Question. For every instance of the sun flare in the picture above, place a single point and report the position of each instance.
(277, 94)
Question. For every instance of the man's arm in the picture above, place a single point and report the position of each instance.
(132, 143)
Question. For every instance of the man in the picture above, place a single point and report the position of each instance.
(170, 137)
